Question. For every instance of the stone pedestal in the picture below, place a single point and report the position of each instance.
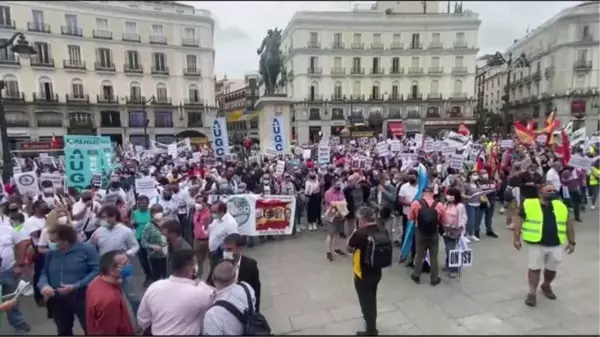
(269, 108)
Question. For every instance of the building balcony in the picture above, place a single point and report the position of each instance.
(316, 71)
(459, 70)
(13, 96)
(412, 96)
(536, 75)
(375, 97)
(10, 59)
(135, 100)
(338, 98)
(158, 39)
(582, 65)
(133, 68)
(131, 37)
(78, 99)
(50, 123)
(357, 71)
(434, 97)
(459, 44)
(81, 120)
(549, 71)
(435, 45)
(397, 46)
(38, 27)
(357, 97)
(195, 120)
(458, 96)
(314, 115)
(194, 101)
(377, 71)
(45, 98)
(315, 98)
(338, 71)
(8, 25)
(416, 45)
(17, 123)
(44, 62)
(338, 45)
(357, 45)
(396, 71)
(160, 100)
(71, 31)
(376, 45)
(192, 72)
(107, 99)
(313, 45)
(160, 70)
(415, 71)
(190, 42)
(102, 34)
(436, 70)
(74, 64)
(395, 97)
(105, 66)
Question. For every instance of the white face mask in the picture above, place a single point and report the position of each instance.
(485, 176)
(198, 207)
(62, 220)
(227, 255)
(450, 197)
(48, 190)
(158, 216)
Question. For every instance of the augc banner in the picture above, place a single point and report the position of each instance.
(278, 134)
(220, 138)
(85, 155)
(263, 215)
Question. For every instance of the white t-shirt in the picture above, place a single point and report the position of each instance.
(34, 224)
(408, 192)
(553, 178)
(9, 238)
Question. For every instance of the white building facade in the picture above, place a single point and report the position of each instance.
(130, 70)
(390, 70)
(563, 71)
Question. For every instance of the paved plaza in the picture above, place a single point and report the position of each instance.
(304, 294)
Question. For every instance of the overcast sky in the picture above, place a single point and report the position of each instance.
(240, 26)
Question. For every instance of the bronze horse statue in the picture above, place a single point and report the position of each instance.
(271, 61)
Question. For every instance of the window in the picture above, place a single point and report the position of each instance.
(492, 98)
(357, 37)
(159, 61)
(314, 37)
(133, 59)
(74, 55)
(435, 37)
(5, 19)
(458, 61)
(189, 33)
(395, 65)
(415, 42)
(356, 63)
(434, 87)
(377, 37)
(6, 54)
(395, 90)
(580, 81)
(137, 119)
(414, 89)
(356, 88)
(314, 90)
(375, 90)
(38, 18)
(194, 94)
(460, 37)
(104, 57)
(396, 38)
(376, 64)
(585, 33)
(130, 27)
(43, 52)
(337, 39)
(161, 92)
(12, 86)
(102, 24)
(135, 91)
(582, 55)
(157, 30)
(110, 119)
(458, 86)
(107, 90)
(414, 62)
(337, 90)
(435, 62)
(314, 63)
(71, 22)
(163, 119)
(498, 96)
(77, 88)
(190, 61)
(337, 63)
(46, 91)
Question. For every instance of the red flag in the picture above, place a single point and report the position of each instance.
(492, 161)
(564, 149)
(524, 134)
(463, 130)
(479, 162)
(54, 143)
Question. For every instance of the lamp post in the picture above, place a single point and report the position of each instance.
(24, 49)
(146, 120)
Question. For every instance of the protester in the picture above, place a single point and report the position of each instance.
(155, 244)
(139, 218)
(202, 219)
(221, 226)
(335, 211)
(454, 222)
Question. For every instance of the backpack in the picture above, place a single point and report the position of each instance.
(255, 324)
(378, 252)
(427, 219)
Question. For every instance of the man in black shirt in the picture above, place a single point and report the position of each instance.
(366, 278)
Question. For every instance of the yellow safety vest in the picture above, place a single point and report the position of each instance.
(531, 230)
(594, 173)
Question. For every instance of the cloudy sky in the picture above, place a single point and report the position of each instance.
(240, 26)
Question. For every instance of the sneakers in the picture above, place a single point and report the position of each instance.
(467, 239)
(329, 256)
(593, 207)
(492, 234)
(339, 252)
(473, 238)
(547, 291)
(502, 210)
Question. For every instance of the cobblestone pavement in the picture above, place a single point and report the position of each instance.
(304, 294)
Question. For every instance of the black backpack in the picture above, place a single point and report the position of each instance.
(378, 252)
(255, 324)
(427, 219)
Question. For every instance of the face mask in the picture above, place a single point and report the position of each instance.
(62, 220)
(167, 197)
(228, 256)
(198, 207)
(215, 216)
(52, 245)
(127, 271)
(450, 197)
(158, 216)
(104, 223)
(266, 182)
(549, 196)
(337, 188)
(48, 190)
(474, 178)
(485, 176)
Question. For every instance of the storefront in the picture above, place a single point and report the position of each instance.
(359, 131)
(435, 126)
(412, 126)
(395, 129)
(336, 130)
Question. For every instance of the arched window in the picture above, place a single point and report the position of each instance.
(77, 88)
(161, 93)
(11, 87)
(194, 94)
(458, 87)
(135, 92)
(107, 91)
(314, 91)
(375, 92)
(46, 89)
(414, 90)
(356, 89)
(337, 90)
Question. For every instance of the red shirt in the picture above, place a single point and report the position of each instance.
(106, 312)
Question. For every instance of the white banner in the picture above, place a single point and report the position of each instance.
(263, 215)
(220, 137)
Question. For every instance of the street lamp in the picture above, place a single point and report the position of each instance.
(24, 49)
(146, 120)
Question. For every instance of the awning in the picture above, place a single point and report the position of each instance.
(396, 128)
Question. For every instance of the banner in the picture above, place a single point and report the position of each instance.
(85, 155)
(220, 138)
(278, 134)
(263, 215)
(184, 145)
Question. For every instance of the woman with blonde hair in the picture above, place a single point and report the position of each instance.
(60, 215)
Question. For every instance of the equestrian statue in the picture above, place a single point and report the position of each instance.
(271, 62)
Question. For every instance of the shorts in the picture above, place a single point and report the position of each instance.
(335, 227)
(541, 257)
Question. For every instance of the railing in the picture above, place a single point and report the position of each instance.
(158, 39)
(458, 95)
(314, 98)
(436, 45)
(45, 98)
(313, 45)
(415, 71)
(80, 121)
(71, 31)
(191, 72)
(357, 45)
(37, 61)
(357, 97)
(397, 45)
(377, 71)
(376, 97)
(13, 96)
(10, 59)
(436, 70)
(8, 25)
(131, 37)
(159, 100)
(160, 71)
(335, 97)
(74, 64)
(38, 27)
(357, 71)
(396, 71)
(459, 70)
(395, 97)
(190, 42)
(104, 66)
(416, 45)
(338, 45)
(336, 71)
(414, 96)
(133, 69)
(582, 65)
(112, 99)
(194, 101)
(434, 96)
(376, 45)
(50, 122)
(135, 100)
(102, 34)
(314, 71)
(71, 98)
(459, 44)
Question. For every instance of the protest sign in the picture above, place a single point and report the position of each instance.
(27, 183)
(456, 161)
(506, 144)
(280, 167)
(395, 145)
(85, 155)
(323, 154)
(460, 258)
(56, 179)
(146, 186)
(262, 215)
(581, 162)
(382, 149)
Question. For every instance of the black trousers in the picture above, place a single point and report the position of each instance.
(158, 266)
(366, 289)
(142, 255)
(38, 267)
(215, 256)
(64, 308)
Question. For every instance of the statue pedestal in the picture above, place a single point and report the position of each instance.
(274, 118)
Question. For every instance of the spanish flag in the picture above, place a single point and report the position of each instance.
(479, 162)
(524, 134)
(463, 130)
(564, 149)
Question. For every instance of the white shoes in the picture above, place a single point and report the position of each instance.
(593, 207)
(502, 210)
(473, 238)
(467, 239)
(312, 227)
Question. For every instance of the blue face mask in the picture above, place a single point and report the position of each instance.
(52, 245)
(127, 271)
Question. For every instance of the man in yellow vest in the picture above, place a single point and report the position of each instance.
(545, 225)
(594, 178)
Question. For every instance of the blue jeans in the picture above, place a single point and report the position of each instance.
(473, 218)
(131, 295)
(486, 214)
(9, 284)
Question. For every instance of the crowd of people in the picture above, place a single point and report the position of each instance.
(77, 246)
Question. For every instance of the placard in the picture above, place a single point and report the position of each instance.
(460, 258)
(146, 186)
(382, 149)
(507, 144)
(456, 161)
(395, 145)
